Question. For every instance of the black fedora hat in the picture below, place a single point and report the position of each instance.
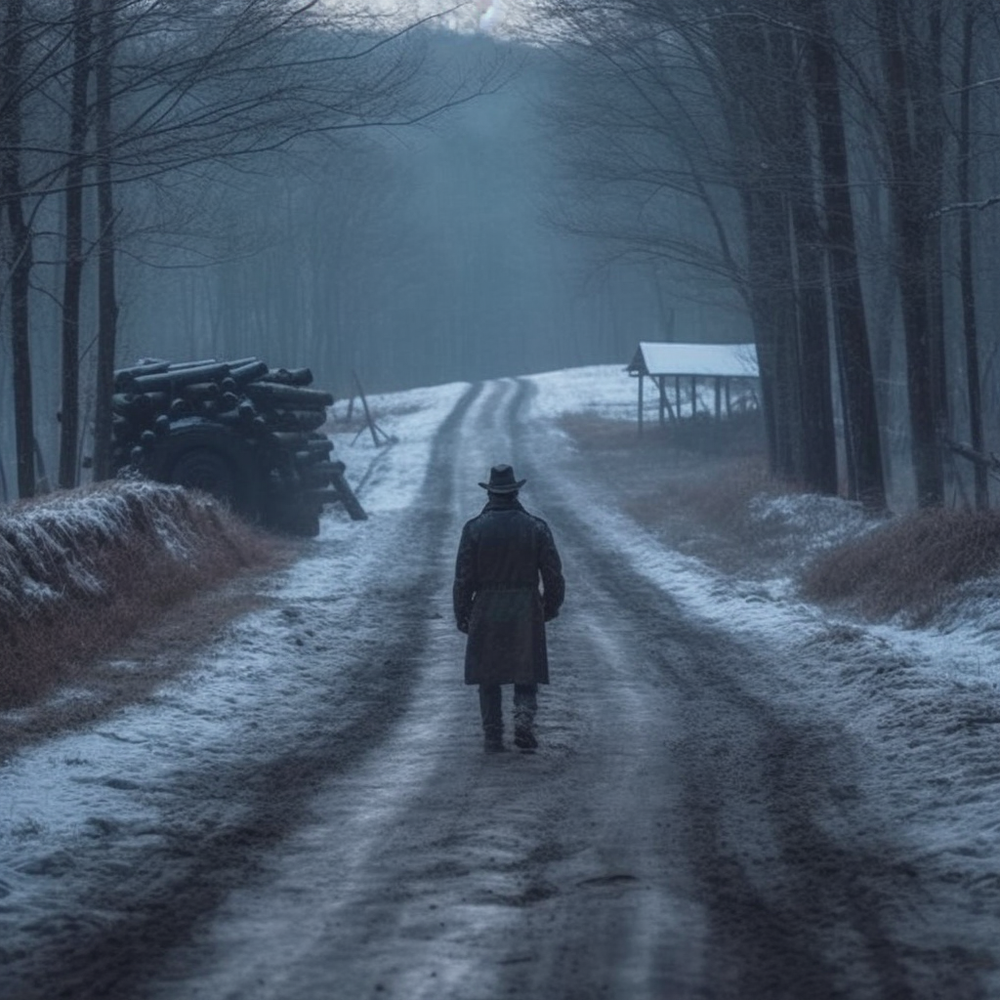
(502, 480)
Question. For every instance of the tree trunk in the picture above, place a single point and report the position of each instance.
(11, 66)
(775, 331)
(929, 134)
(819, 442)
(857, 382)
(970, 330)
(107, 305)
(764, 192)
(73, 274)
(819, 438)
(910, 212)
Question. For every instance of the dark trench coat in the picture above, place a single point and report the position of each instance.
(502, 555)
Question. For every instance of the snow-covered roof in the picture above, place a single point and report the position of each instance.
(727, 360)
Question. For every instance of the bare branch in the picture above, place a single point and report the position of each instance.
(966, 206)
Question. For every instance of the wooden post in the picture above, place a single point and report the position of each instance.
(729, 401)
(677, 395)
(660, 379)
(641, 377)
(718, 398)
(694, 395)
(372, 426)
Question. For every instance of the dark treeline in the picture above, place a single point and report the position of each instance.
(256, 178)
(111, 113)
(417, 257)
(418, 206)
(839, 161)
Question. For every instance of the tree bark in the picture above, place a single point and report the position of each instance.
(73, 273)
(776, 334)
(910, 211)
(819, 438)
(929, 133)
(969, 325)
(740, 50)
(819, 444)
(107, 304)
(11, 68)
(857, 381)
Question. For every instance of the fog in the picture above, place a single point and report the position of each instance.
(443, 245)
(413, 200)
(410, 256)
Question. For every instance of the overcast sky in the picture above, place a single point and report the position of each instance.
(494, 16)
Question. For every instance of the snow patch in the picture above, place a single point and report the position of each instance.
(816, 522)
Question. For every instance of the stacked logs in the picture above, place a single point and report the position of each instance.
(239, 429)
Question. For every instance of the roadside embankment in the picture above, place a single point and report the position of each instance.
(80, 570)
(918, 568)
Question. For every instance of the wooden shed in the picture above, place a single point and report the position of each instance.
(719, 364)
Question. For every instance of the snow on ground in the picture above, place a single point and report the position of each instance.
(596, 390)
(607, 391)
(44, 546)
(964, 645)
(926, 701)
(389, 477)
(114, 784)
(922, 699)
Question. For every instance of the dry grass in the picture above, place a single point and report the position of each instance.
(691, 485)
(703, 436)
(911, 567)
(81, 571)
(715, 495)
(699, 501)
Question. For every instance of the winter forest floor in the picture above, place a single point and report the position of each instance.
(128, 568)
(739, 793)
(695, 500)
(700, 493)
(714, 499)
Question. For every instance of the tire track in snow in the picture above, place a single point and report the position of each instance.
(671, 838)
(800, 897)
(433, 870)
(402, 879)
(229, 815)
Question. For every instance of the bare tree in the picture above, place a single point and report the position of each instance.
(74, 264)
(711, 109)
(915, 192)
(863, 447)
(766, 103)
(107, 302)
(174, 87)
(969, 321)
(19, 246)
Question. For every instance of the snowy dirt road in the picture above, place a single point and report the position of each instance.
(311, 815)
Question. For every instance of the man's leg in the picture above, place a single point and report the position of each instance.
(491, 709)
(525, 706)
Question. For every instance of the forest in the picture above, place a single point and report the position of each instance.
(413, 201)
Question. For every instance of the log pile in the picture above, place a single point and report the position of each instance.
(238, 429)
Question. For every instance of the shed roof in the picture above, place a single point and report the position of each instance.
(727, 360)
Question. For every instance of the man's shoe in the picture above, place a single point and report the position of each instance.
(524, 739)
(494, 743)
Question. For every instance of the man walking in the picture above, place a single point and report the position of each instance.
(501, 556)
